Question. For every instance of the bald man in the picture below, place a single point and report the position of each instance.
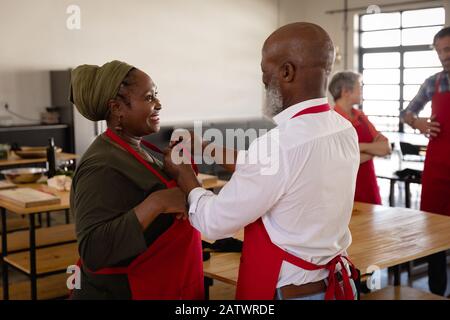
(296, 200)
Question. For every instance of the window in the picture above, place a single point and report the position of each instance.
(396, 56)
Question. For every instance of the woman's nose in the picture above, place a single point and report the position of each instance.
(158, 105)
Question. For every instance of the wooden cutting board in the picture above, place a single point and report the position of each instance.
(6, 185)
(27, 197)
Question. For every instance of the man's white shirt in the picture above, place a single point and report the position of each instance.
(302, 188)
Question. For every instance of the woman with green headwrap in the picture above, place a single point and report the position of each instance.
(130, 243)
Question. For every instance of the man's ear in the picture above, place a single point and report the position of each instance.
(287, 72)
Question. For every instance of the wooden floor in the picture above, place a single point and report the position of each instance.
(52, 287)
(401, 293)
(222, 291)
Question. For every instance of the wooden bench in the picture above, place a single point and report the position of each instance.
(400, 293)
(51, 287)
(52, 259)
(19, 241)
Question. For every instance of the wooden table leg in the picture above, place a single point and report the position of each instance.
(33, 276)
(391, 192)
(208, 283)
(407, 195)
(49, 220)
(5, 278)
(397, 275)
(67, 212)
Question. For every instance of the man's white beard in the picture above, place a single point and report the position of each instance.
(274, 101)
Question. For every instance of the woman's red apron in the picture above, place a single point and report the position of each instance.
(436, 173)
(172, 267)
(367, 189)
(261, 260)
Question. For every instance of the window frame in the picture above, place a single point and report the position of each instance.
(401, 49)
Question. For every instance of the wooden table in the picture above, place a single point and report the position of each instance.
(14, 160)
(28, 267)
(61, 255)
(401, 293)
(412, 138)
(382, 236)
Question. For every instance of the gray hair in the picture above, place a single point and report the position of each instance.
(341, 81)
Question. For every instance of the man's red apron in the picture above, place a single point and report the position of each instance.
(172, 267)
(436, 173)
(367, 189)
(261, 260)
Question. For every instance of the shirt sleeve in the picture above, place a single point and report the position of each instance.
(108, 233)
(423, 96)
(373, 131)
(256, 185)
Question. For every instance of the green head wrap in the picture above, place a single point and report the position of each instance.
(93, 86)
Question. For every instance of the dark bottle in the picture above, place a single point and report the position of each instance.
(51, 158)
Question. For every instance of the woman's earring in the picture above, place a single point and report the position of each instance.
(119, 128)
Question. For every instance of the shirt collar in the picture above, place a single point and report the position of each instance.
(289, 112)
(356, 113)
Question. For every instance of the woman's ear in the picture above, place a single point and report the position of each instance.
(345, 92)
(115, 107)
(287, 72)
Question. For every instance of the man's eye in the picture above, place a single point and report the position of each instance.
(149, 98)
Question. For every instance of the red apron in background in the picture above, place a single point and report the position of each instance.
(436, 173)
(172, 267)
(367, 189)
(261, 260)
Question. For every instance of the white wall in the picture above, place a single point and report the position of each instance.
(315, 11)
(203, 54)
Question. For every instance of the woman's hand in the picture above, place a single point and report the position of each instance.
(169, 200)
(380, 147)
(172, 201)
(177, 163)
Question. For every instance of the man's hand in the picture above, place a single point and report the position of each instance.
(428, 127)
(177, 160)
(177, 163)
(190, 141)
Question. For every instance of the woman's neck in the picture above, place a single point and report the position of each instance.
(128, 138)
(346, 106)
(134, 142)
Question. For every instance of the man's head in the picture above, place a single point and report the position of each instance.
(441, 43)
(346, 86)
(296, 61)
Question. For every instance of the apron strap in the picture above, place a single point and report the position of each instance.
(114, 137)
(315, 109)
(334, 289)
(104, 271)
(437, 83)
(151, 146)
